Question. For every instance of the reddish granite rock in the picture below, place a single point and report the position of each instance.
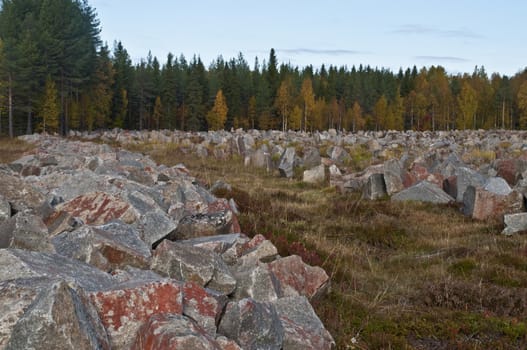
(126, 307)
(483, 205)
(168, 331)
(508, 169)
(204, 306)
(227, 344)
(98, 208)
(297, 278)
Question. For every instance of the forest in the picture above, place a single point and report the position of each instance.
(57, 75)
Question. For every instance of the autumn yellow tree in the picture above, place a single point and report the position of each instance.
(218, 114)
(355, 117)
(308, 102)
(380, 111)
(295, 120)
(522, 105)
(49, 108)
(468, 105)
(284, 103)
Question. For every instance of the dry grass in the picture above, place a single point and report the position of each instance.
(404, 275)
(12, 149)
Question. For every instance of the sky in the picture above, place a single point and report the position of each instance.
(392, 34)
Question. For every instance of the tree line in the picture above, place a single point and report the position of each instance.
(57, 75)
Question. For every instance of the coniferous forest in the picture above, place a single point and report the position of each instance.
(57, 75)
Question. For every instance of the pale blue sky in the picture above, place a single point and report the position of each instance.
(457, 34)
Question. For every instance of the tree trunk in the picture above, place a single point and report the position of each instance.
(10, 104)
(503, 114)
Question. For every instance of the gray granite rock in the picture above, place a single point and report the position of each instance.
(253, 325)
(423, 191)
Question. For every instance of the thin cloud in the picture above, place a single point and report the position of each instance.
(329, 52)
(449, 59)
(417, 29)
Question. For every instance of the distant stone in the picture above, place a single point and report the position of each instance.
(497, 185)
(393, 176)
(509, 169)
(125, 307)
(98, 208)
(514, 223)
(25, 231)
(339, 155)
(311, 157)
(466, 177)
(375, 187)
(298, 278)
(303, 330)
(450, 186)
(259, 159)
(483, 205)
(172, 331)
(45, 313)
(287, 163)
(423, 191)
(315, 175)
(253, 325)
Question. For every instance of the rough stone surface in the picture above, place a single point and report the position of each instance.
(497, 185)
(303, 329)
(106, 247)
(44, 313)
(21, 195)
(393, 176)
(187, 263)
(203, 225)
(315, 175)
(25, 231)
(253, 325)
(169, 331)
(484, 205)
(297, 278)
(466, 177)
(5, 209)
(258, 283)
(26, 264)
(204, 306)
(287, 163)
(514, 223)
(155, 225)
(423, 191)
(375, 187)
(124, 308)
(98, 208)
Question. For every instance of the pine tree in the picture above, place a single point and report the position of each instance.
(49, 108)
(217, 116)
